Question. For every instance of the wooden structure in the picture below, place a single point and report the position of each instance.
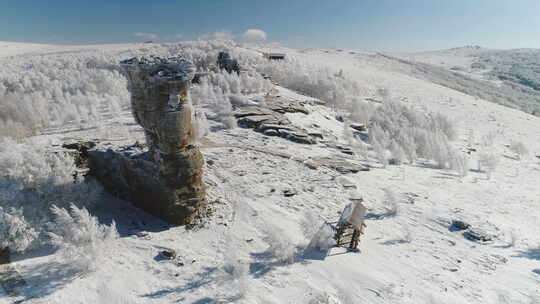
(274, 56)
(350, 226)
(347, 236)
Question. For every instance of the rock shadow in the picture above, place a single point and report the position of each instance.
(395, 242)
(129, 219)
(266, 262)
(380, 216)
(532, 253)
(208, 300)
(207, 276)
(44, 279)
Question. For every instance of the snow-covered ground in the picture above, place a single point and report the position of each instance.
(8, 49)
(251, 249)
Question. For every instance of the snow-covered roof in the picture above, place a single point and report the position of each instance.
(274, 54)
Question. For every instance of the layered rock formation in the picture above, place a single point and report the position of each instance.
(166, 180)
(269, 119)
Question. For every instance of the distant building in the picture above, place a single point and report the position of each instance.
(274, 56)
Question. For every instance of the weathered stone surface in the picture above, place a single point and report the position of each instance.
(277, 127)
(298, 136)
(341, 165)
(290, 192)
(168, 253)
(459, 225)
(316, 134)
(269, 119)
(252, 111)
(166, 180)
(175, 193)
(342, 148)
(477, 236)
(271, 132)
(255, 121)
(282, 105)
(358, 127)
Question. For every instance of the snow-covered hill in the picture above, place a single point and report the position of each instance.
(252, 246)
(515, 72)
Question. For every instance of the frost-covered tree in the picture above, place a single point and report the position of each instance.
(410, 133)
(460, 163)
(225, 115)
(519, 149)
(86, 87)
(15, 233)
(390, 202)
(200, 125)
(398, 155)
(337, 90)
(488, 162)
(363, 150)
(348, 136)
(361, 112)
(80, 238)
(279, 246)
(33, 179)
(380, 152)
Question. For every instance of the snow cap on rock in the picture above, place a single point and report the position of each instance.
(171, 68)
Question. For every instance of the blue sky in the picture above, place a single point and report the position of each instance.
(387, 25)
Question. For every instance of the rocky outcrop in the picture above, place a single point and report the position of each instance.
(286, 131)
(458, 225)
(268, 118)
(174, 194)
(479, 236)
(341, 165)
(166, 178)
(358, 127)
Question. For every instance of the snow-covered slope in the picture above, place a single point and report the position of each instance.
(514, 72)
(251, 249)
(8, 49)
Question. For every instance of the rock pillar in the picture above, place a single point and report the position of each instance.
(167, 181)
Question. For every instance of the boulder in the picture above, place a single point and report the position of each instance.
(477, 236)
(358, 127)
(271, 132)
(253, 121)
(290, 192)
(298, 136)
(458, 225)
(168, 254)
